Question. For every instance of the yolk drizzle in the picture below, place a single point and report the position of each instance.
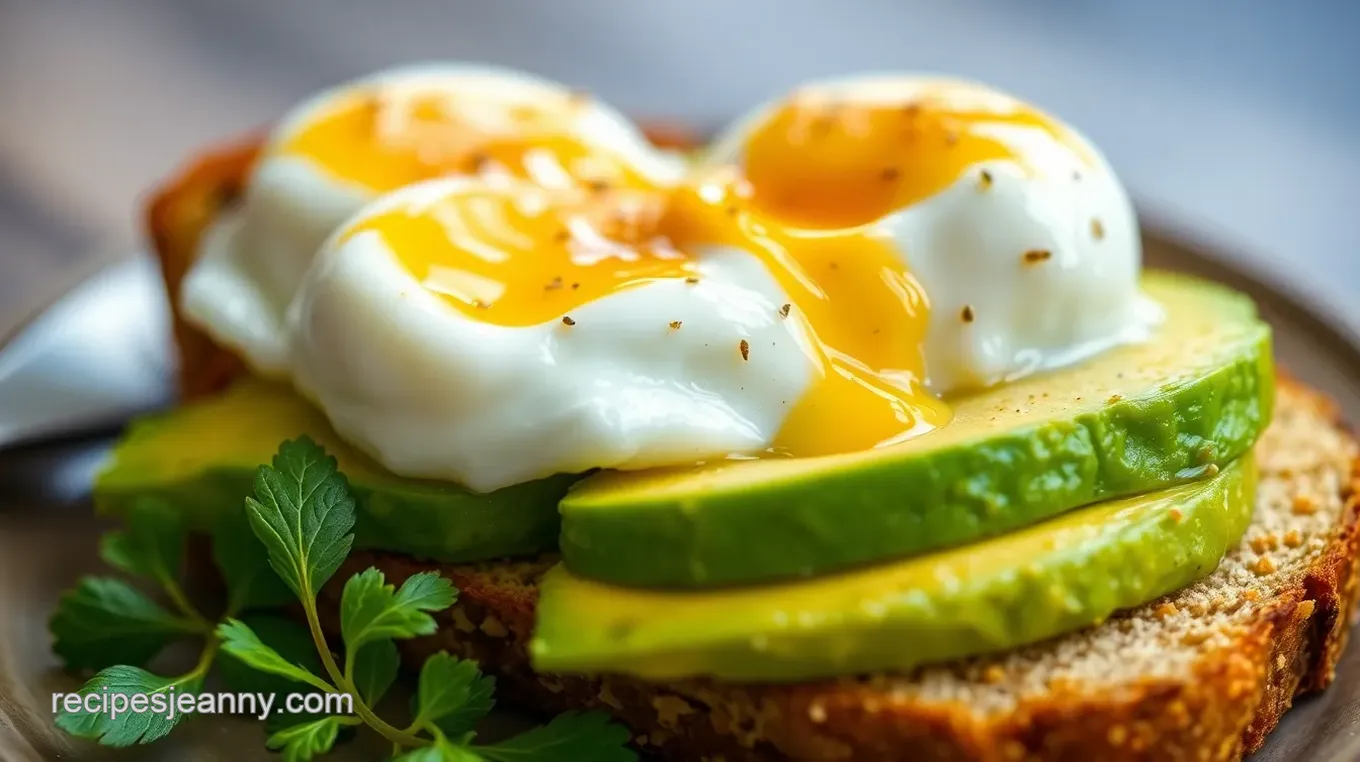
(384, 137)
(513, 254)
(816, 176)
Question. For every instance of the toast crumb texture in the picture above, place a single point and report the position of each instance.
(1203, 674)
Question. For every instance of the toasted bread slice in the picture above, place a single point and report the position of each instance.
(1203, 674)
(176, 216)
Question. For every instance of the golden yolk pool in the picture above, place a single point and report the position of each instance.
(384, 137)
(829, 160)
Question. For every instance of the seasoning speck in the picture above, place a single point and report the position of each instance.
(598, 186)
(566, 320)
(967, 313)
(554, 284)
(562, 236)
(889, 174)
(692, 279)
(745, 347)
(733, 211)
(985, 179)
(784, 311)
(1097, 229)
(1035, 256)
(675, 325)
(478, 161)
(575, 286)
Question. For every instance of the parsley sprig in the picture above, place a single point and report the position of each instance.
(303, 514)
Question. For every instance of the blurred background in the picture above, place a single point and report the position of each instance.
(1233, 121)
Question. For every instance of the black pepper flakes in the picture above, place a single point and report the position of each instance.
(1097, 229)
(675, 325)
(967, 313)
(889, 174)
(784, 311)
(1035, 256)
(745, 347)
(562, 236)
(598, 186)
(575, 286)
(478, 161)
(567, 320)
(985, 178)
(692, 279)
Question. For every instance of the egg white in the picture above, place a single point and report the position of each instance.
(965, 245)
(431, 392)
(253, 258)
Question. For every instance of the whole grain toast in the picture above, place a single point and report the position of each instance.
(1202, 674)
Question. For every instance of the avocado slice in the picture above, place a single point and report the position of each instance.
(1069, 572)
(203, 457)
(1134, 419)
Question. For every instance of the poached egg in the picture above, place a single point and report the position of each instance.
(563, 298)
(346, 146)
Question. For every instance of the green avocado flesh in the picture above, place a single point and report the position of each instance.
(1134, 419)
(203, 457)
(1069, 572)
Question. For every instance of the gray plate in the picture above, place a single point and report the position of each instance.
(101, 351)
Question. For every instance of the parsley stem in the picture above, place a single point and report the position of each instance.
(342, 682)
(177, 597)
(205, 659)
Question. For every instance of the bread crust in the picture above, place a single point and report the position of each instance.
(1221, 709)
(177, 214)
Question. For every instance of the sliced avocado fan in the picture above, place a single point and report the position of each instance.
(202, 458)
(1134, 419)
(1000, 593)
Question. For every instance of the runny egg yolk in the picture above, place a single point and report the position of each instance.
(512, 254)
(828, 159)
(815, 176)
(383, 136)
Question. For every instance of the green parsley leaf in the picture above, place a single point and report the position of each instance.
(242, 642)
(477, 705)
(452, 694)
(303, 513)
(250, 581)
(102, 622)
(375, 667)
(130, 727)
(309, 739)
(151, 545)
(289, 640)
(370, 610)
(574, 735)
